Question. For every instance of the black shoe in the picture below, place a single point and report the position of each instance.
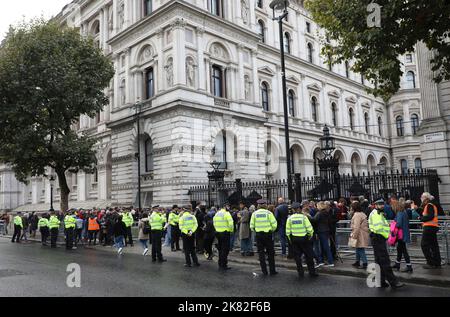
(301, 274)
(313, 274)
(363, 267)
(153, 260)
(356, 264)
(408, 269)
(273, 273)
(197, 264)
(398, 285)
(265, 273)
(187, 265)
(250, 254)
(173, 250)
(162, 260)
(243, 254)
(429, 267)
(396, 266)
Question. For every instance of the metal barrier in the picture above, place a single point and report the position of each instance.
(344, 230)
(2, 227)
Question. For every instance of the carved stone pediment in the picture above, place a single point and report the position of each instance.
(314, 87)
(351, 99)
(218, 51)
(266, 70)
(334, 94)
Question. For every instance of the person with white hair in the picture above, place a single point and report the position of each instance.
(429, 244)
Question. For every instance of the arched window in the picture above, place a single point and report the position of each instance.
(410, 80)
(287, 43)
(314, 109)
(400, 126)
(220, 149)
(418, 164)
(414, 123)
(351, 116)
(215, 7)
(148, 150)
(149, 83)
(291, 102)
(265, 96)
(366, 122)
(404, 166)
(262, 31)
(310, 53)
(148, 7)
(218, 82)
(380, 126)
(334, 113)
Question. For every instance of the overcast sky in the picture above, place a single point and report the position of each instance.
(13, 11)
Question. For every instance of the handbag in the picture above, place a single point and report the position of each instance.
(352, 242)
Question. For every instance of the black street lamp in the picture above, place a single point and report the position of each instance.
(282, 7)
(327, 144)
(138, 108)
(52, 181)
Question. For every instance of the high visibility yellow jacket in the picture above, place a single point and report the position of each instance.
(69, 222)
(223, 222)
(298, 225)
(263, 220)
(157, 221)
(174, 219)
(127, 219)
(18, 221)
(378, 224)
(188, 223)
(43, 223)
(53, 222)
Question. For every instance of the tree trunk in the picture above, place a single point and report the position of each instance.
(64, 190)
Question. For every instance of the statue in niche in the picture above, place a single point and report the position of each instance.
(244, 11)
(169, 72)
(247, 87)
(110, 18)
(121, 15)
(123, 97)
(190, 72)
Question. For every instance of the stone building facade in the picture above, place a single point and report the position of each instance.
(205, 78)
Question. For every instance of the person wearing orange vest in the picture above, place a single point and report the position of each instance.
(93, 228)
(430, 245)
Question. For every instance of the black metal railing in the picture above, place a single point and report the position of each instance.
(410, 184)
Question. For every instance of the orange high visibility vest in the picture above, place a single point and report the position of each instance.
(93, 225)
(434, 222)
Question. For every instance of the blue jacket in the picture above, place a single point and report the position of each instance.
(390, 215)
(402, 220)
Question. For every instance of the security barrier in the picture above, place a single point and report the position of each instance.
(2, 227)
(344, 230)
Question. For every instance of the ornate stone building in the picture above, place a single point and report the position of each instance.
(205, 76)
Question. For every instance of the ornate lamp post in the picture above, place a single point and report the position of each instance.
(52, 183)
(214, 177)
(327, 144)
(280, 8)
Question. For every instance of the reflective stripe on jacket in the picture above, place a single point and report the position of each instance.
(157, 221)
(93, 225)
(433, 222)
(188, 223)
(263, 220)
(18, 221)
(223, 222)
(43, 222)
(69, 222)
(174, 219)
(53, 222)
(378, 224)
(298, 225)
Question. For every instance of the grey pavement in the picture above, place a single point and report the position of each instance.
(29, 269)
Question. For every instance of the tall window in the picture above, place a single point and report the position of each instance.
(334, 113)
(409, 58)
(314, 109)
(262, 31)
(418, 164)
(308, 27)
(148, 155)
(404, 166)
(218, 82)
(287, 43)
(291, 103)
(221, 149)
(148, 7)
(414, 123)
(351, 116)
(265, 96)
(410, 80)
(215, 7)
(310, 53)
(149, 84)
(380, 126)
(366, 122)
(400, 126)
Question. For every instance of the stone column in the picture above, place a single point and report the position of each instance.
(256, 92)
(159, 67)
(241, 73)
(201, 60)
(179, 52)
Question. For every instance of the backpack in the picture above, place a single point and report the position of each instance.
(395, 234)
(146, 229)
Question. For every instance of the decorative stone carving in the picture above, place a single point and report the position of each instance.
(121, 15)
(244, 11)
(146, 55)
(218, 51)
(190, 72)
(110, 18)
(247, 87)
(123, 95)
(169, 72)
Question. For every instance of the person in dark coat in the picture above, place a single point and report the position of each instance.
(281, 215)
(119, 231)
(209, 234)
(200, 214)
(323, 219)
(402, 220)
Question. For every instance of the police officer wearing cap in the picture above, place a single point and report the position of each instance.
(299, 232)
(379, 233)
(263, 222)
(224, 226)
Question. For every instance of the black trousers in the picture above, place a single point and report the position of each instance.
(382, 259)
(129, 236)
(430, 246)
(264, 243)
(189, 249)
(402, 251)
(300, 246)
(44, 235)
(93, 236)
(200, 241)
(53, 236)
(223, 239)
(78, 237)
(69, 238)
(208, 241)
(175, 233)
(156, 244)
(16, 235)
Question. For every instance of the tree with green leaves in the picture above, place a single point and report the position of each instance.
(376, 50)
(49, 76)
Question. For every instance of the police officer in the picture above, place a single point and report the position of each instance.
(174, 219)
(18, 226)
(69, 226)
(53, 225)
(44, 229)
(379, 233)
(157, 221)
(263, 222)
(224, 226)
(188, 226)
(128, 220)
(299, 231)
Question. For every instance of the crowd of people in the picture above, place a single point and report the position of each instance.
(306, 231)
